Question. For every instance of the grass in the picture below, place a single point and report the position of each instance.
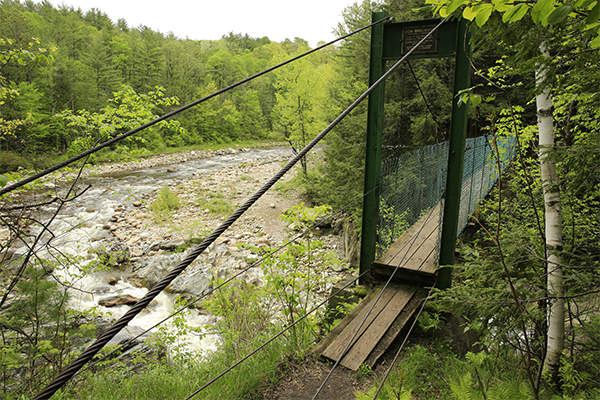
(177, 381)
(216, 204)
(165, 202)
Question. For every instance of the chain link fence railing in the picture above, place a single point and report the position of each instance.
(414, 182)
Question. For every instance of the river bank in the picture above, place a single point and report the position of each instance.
(113, 223)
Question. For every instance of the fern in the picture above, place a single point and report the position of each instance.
(462, 389)
(367, 395)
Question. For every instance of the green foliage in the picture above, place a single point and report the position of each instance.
(302, 217)
(75, 61)
(429, 321)
(15, 55)
(544, 13)
(394, 226)
(363, 371)
(479, 376)
(171, 336)
(39, 333)
(503, 263)
(215, 204)
(126, 110)
(166, 201)
(10, 162)
(302, 101)
(245, 313)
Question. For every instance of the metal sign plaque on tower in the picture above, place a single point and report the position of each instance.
(391, 41)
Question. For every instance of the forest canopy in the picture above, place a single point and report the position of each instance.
(65, 74)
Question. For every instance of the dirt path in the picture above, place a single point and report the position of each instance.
(303, 381)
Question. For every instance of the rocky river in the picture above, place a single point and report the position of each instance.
(111, 225)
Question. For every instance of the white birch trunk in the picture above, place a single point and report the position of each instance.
(553, 219)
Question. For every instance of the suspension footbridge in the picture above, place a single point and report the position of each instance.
(415, 205)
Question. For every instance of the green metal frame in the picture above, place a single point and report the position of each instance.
(389, 41)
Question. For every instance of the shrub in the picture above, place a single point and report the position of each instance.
(10, 162)
(165, 202)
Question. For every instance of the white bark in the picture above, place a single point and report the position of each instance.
(553, 219)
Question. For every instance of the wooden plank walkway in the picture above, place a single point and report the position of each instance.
(380, 319)
(377, 314)
(414, 253)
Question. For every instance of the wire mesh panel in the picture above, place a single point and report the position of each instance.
(411, 184)
(414, 182)
(480, 171)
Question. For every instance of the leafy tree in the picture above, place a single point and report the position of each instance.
(12, 117)
(238, 43)
(126, 110)
(341, 175)
(103, 71)
(571, 30)
(120, 53)
(147, 59)
(224, 68)
(301, 102)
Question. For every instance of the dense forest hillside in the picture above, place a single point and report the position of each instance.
(71, 77)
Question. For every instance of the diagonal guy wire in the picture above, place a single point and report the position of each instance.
(262, 346)
(243, 271)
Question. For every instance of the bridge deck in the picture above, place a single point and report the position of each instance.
(414, 253)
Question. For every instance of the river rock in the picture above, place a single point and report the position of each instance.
(152, 270)
(119, 300)
(114, 254)
(111, 280)
(4, 234)
(103, 289)
(100, 234)
(196, 282)
(171, 244)
(136, 281)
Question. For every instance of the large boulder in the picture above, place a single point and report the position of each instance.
(195, 281)
(118, 300)
(152, 269)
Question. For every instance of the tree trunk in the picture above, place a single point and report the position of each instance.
(553, 219)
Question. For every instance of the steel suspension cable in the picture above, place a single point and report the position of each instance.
(175, 112)
(384, 76)
(89, 353)
(325, 131)
(350, 342)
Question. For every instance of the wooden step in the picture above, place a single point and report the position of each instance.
(378, 313)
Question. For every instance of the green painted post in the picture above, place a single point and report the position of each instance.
(373, 150)
(458, 130)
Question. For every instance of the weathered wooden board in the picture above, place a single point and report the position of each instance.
(367, 314)
(339, 328)
(397, 327)
(415, 249)
(378, 316)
